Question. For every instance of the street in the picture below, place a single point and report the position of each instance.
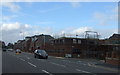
(26, 63)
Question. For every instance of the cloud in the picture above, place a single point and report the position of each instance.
(8, 18)
(11, 6)
(103, 18)
(7, 27)
(75, 4)
(81, 30)
(27, 26)
(106, 33)
(12, 32)
(72, 32)
(15, 31)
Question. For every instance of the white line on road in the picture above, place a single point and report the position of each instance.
(22, 59)
(57, 64)
(78, 70)
(79, 61)
(85, 71)
(27, 57)
(89, 64)
(41, 60)
(46, 72)
(84, 64)
(32, 64)
(82, 71)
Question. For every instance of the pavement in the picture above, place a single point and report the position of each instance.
(25, 63)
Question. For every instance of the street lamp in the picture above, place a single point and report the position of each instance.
(22, 34)
(23, 39)
(76, 36)
(44, 41)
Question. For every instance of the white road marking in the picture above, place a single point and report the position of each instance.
(22, 59)
(78, 70)
(46, 72)
(85, 71)
(32, 64)
(79, 61)
(27, 57)
(63, 65)
(82, 71)
(68, 61)
(57, 64)
(84, 64)
(41, 60)
(89, 64)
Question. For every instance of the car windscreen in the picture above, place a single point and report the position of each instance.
(17, 50)
(41, 51)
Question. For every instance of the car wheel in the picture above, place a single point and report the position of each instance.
(35, 56)
(46, 57)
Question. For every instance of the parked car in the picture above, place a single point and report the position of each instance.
(4, 50)
(11, 50)
(18, 51)
(40, 54)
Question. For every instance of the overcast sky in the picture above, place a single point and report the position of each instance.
(57, 18)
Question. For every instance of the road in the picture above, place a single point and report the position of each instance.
(26, 63)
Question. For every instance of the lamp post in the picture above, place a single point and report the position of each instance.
(72, 51)
(44, 41)
(76, 36)
(23, 39)
(22, 34)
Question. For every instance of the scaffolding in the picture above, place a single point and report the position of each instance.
(91, 35)
(92, 42)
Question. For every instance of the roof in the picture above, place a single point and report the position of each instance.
(40, 35)
(115, 36)
(74, 38)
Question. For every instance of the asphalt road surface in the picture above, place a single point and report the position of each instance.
(26, 63)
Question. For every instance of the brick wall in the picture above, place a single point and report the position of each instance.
(113, 58)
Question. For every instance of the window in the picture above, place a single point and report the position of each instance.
(76, 51)
(79, 41)
(32, 39)
(63, 41)
(35, 38)
(74, 41)
(26, 39)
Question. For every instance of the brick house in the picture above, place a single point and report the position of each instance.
(20, 44)
(32, 44)
(75, 47)
(27, 43)
(113, 55)
(40, 42)
(43, 41)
